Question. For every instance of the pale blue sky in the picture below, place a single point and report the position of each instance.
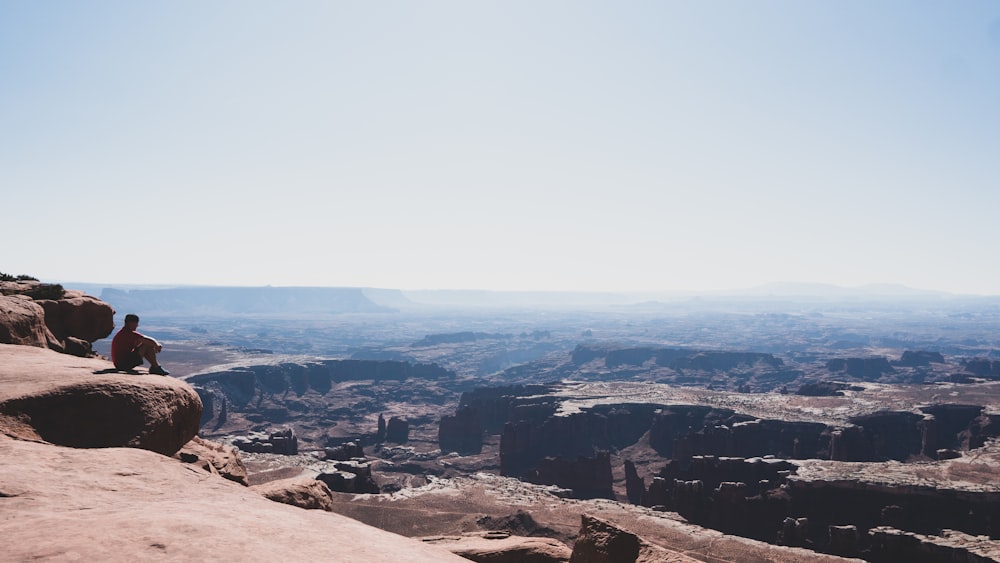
(502, 145)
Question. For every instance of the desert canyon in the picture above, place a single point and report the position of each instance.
(372, 425)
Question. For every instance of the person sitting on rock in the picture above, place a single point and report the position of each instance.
(129, 348)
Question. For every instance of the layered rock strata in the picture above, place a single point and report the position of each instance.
(763, 478)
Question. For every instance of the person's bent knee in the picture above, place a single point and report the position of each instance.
(145, 348)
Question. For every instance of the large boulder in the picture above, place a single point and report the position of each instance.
(215, 458)
(84, 403)
(501, 547)
(303, 492)
(83, 317)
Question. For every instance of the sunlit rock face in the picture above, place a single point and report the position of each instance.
(22, 322)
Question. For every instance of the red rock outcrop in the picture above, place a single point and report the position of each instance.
(82, 403)
(83, 317)
(45, 316)
(215, 458)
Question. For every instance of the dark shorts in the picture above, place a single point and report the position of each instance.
(130, 361)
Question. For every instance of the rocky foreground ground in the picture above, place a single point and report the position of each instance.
(70, 490)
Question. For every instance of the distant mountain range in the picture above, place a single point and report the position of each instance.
(212, 300)
(243, 300)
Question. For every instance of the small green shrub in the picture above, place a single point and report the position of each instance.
(22, 277)
(48, 291)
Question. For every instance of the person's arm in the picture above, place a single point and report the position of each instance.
(143, 338)
(156, 345)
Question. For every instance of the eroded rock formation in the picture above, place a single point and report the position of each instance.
(397, 430)
(740, 474)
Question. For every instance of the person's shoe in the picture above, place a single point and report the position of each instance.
(158, 370)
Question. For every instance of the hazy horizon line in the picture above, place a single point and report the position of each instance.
(789, 288)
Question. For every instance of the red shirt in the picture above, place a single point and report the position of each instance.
(124, 343)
